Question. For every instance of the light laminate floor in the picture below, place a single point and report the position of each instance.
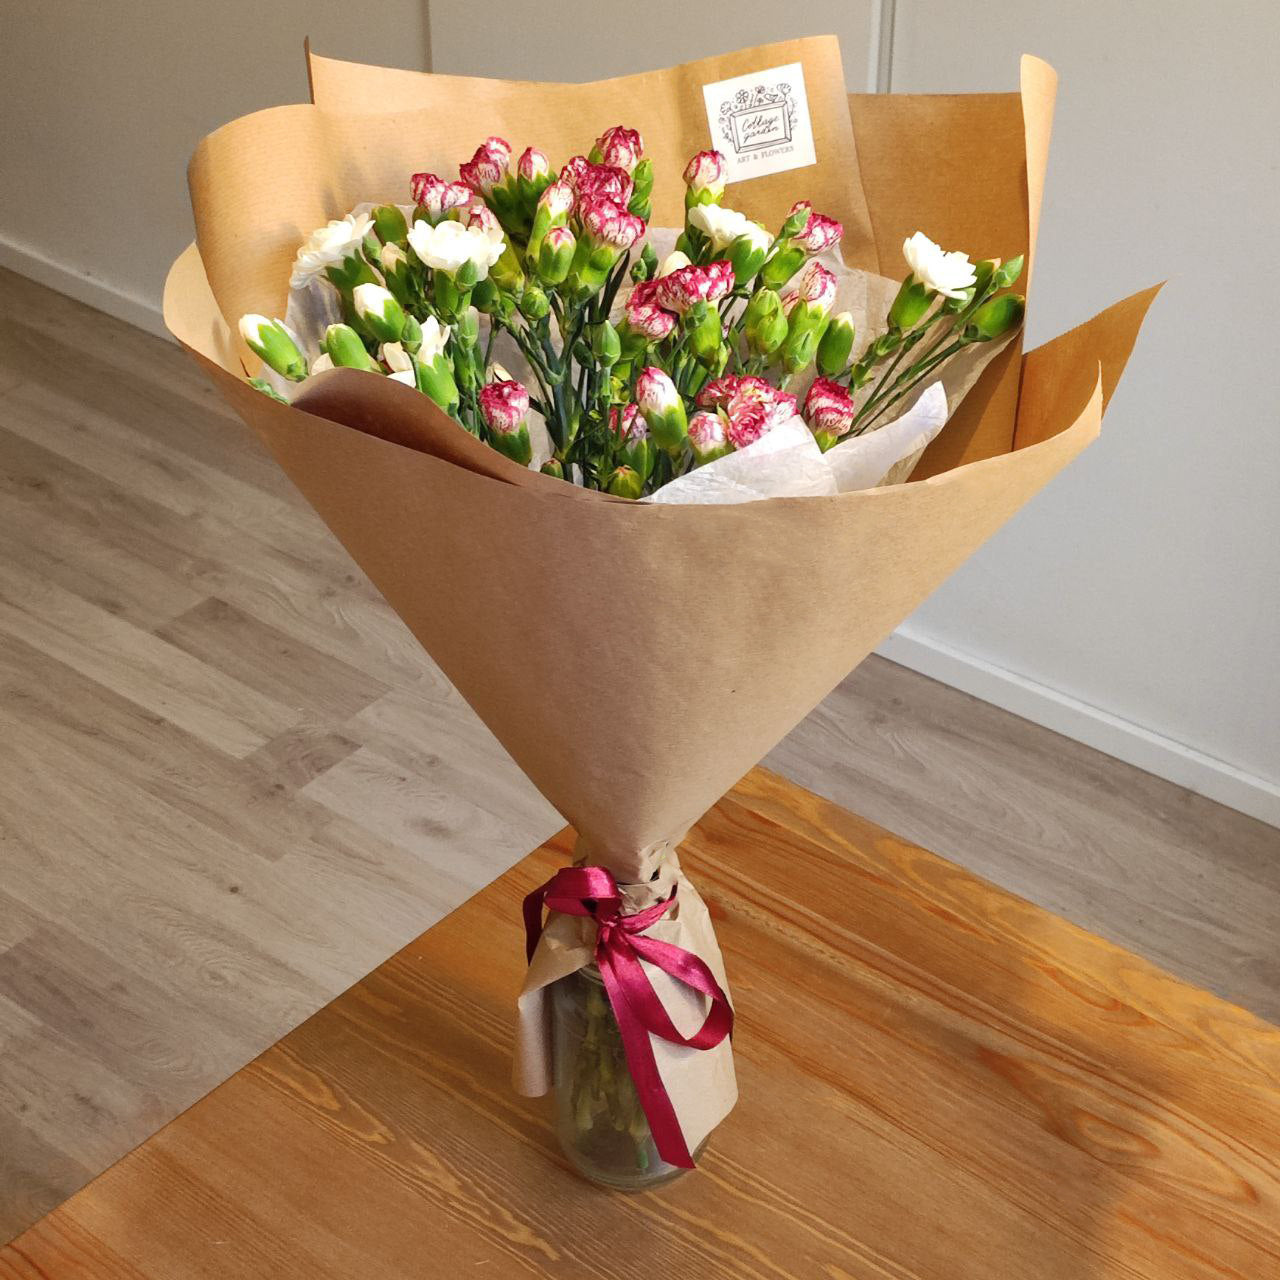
(231, 784)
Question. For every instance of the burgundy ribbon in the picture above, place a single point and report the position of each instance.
(620, 946)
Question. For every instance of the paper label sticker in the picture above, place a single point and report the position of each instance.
(760, 121)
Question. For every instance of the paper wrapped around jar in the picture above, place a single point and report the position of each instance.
(636, 659)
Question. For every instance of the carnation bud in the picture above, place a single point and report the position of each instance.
(345, 349)
(605, 345)
(995, 317)
(829, 411)
(634, 446)
(1007, 273)
(555, 256)
(707, 437)
(436, 198)
(836, 346)
(390, 225)
(555, 204)
(646, 265)
(380, 313)
(533, 164)
(625, 482)
(786, 260)
(273, 344)
(764, 324)
(505, 408)
(704, 178)
(553, 467)
(706, 332)
(799, 349)
(534, 303)
(797, 219)
(662, 407)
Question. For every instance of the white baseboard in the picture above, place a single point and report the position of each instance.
(1165, 757)
(102, 295)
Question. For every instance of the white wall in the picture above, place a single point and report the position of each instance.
(103, 101)
(1134, 604)
(1145, 581)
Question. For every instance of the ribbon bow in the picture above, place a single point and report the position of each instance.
(620, 946)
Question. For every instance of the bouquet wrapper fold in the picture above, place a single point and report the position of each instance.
(637, 659)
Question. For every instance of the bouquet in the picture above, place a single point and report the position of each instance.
(706, 344)
(636, 631)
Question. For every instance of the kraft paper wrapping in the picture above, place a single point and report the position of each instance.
(637, 659)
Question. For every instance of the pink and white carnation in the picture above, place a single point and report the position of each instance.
(558, 201)
(751, 406)
(533, 164)
(828, 408)
(815, 286)
(437, 196)
(707, 434)
(820, 233)
(626, 423)
(645, 315)
(505, 405)
(620, 147)
(610, 224)
(598, 181)
(497, 147)
(682, 288)
(707, 172)
(486, 169)
(656, 394)
(483, 218)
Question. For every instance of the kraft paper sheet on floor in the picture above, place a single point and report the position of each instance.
(636, 659)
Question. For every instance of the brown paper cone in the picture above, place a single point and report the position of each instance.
(636, 660)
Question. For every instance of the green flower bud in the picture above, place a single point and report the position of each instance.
(344, 347)
(796, 222)
(642, 181)
(411, 338)
(466, 328)
(435, 379)
(706, 331)
(553, 467)
(273, 344)
(1008, 272)
(606, 347)
(534, 303)
(996, 317)
(390, 225)
(799, 348)
(787, 259)
(645, 267)
(910, 305)
(764, 324)
(624, 482)
(836, 345)
(556, 255)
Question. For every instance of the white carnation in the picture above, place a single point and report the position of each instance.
(449, 245)
(949, 274)
(723, 226)
(330, 244)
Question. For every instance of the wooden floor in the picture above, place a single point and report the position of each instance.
(231, 784)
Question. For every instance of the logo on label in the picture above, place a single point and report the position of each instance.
(760, 121)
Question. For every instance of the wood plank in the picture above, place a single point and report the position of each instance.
(939, 1080)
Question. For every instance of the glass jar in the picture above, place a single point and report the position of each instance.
(599, 1120)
